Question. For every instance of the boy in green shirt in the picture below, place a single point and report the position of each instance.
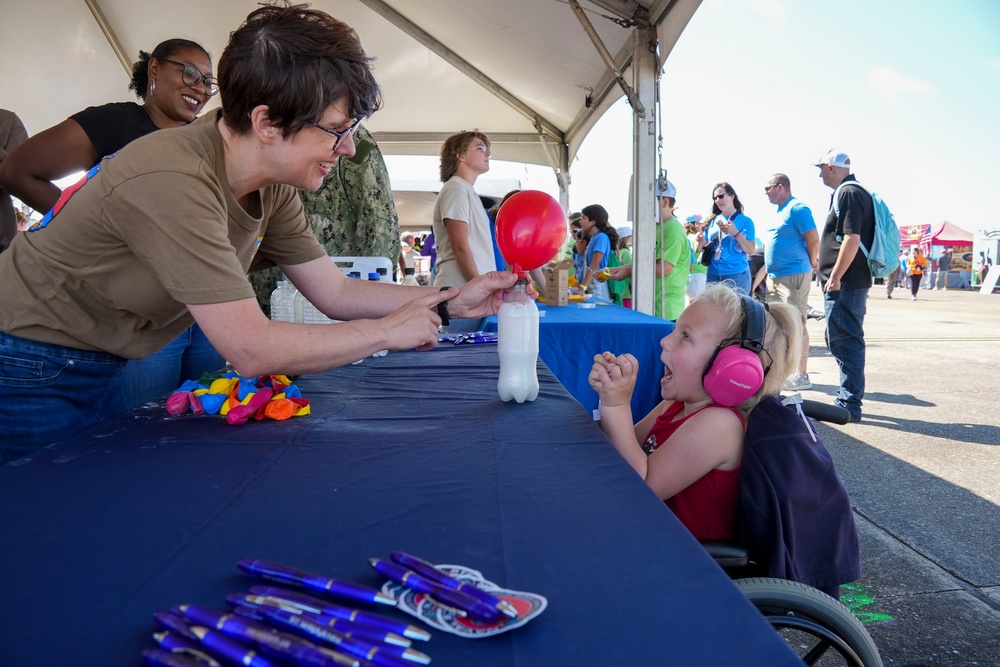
(673, 258)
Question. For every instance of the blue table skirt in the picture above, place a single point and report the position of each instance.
(410, 451)
(569, 337)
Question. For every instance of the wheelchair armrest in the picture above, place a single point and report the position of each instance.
(726, 554)
(825, 413)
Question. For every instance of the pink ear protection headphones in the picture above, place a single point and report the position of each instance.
(734, 373)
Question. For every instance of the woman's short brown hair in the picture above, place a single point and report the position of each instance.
(454, 146)
(298, 62)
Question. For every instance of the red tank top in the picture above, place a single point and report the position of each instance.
(707, 508)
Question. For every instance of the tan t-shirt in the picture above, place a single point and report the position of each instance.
(459, 201)
(156, 228)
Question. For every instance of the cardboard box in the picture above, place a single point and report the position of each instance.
(557, 283)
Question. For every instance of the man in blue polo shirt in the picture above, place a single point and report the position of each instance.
(791, 247)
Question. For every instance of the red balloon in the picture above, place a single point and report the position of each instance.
(531, 228)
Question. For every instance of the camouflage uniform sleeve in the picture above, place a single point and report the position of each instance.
(353, 214)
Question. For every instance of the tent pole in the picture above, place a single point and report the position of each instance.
(109, 34)
(644, 149)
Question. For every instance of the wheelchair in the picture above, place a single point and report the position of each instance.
(820, 629)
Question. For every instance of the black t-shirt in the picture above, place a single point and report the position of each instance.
(111, 126)
(944, 262)
(857, 216)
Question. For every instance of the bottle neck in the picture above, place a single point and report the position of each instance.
(519, 293)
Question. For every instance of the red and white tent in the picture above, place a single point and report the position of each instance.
(943, 233)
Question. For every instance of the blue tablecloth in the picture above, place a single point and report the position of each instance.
(411, 451)
(569, 337)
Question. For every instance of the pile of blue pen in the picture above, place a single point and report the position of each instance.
(473, 337)
(272, 626)
(465, 600)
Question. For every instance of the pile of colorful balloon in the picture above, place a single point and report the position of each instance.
(238, 398)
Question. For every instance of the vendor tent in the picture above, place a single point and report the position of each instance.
(943, 233)
(948, 234)
(536, 75)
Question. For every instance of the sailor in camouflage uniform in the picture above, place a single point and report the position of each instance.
(352, 215)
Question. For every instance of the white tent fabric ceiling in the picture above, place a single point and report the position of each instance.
(530, 73)
(60, 56)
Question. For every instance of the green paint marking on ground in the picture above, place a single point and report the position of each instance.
(854, 597)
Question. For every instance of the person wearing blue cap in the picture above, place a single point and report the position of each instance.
(844, 274)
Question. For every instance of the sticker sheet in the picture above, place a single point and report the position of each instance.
(528, 605)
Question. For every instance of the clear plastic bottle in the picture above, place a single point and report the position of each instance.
(298, 307)
(281, 302)
(312, 315)
(517, 341)
(408, 276)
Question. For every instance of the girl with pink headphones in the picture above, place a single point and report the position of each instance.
(725, 354)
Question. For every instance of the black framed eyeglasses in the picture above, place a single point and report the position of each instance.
(192, 76)
(771, 186)
(339, 135)
(722, 195)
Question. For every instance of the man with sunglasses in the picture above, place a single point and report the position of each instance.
(791, 247)
(163, 234)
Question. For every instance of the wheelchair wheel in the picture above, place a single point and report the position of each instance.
(818, 628)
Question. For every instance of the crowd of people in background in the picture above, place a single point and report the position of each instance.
(352, 213)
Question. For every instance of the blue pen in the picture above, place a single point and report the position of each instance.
(278, 645)
(343, 626)
(427, 570)
(154, 657)
(225, 648)
(317, 606)
(288, 575)
(473, 338)
(452, 599)
(384, 655)
(184, 647)
(173, 622)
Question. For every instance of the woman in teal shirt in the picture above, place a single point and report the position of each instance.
(734, 233)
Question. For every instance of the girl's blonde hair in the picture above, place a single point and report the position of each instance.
(782, 337)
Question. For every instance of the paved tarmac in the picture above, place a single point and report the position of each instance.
(923, 471)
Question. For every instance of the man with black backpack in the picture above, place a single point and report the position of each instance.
(845, 275)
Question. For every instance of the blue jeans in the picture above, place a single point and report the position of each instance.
(51, 392)
(184, 358)
(845, 319)
(738, 281)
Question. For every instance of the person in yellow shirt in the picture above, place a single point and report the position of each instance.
(916, 264)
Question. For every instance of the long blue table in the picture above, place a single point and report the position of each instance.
(569, 336)
(411, 451)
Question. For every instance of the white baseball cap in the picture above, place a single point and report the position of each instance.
(834, 158)
(624, 232)
(668, 190)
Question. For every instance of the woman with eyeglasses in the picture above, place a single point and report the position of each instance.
(174, 83)
(732, 234)
(163, 233)
(461, 223)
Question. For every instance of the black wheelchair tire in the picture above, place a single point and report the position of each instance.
(779, 597)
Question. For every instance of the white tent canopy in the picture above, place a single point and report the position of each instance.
(530, 73)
